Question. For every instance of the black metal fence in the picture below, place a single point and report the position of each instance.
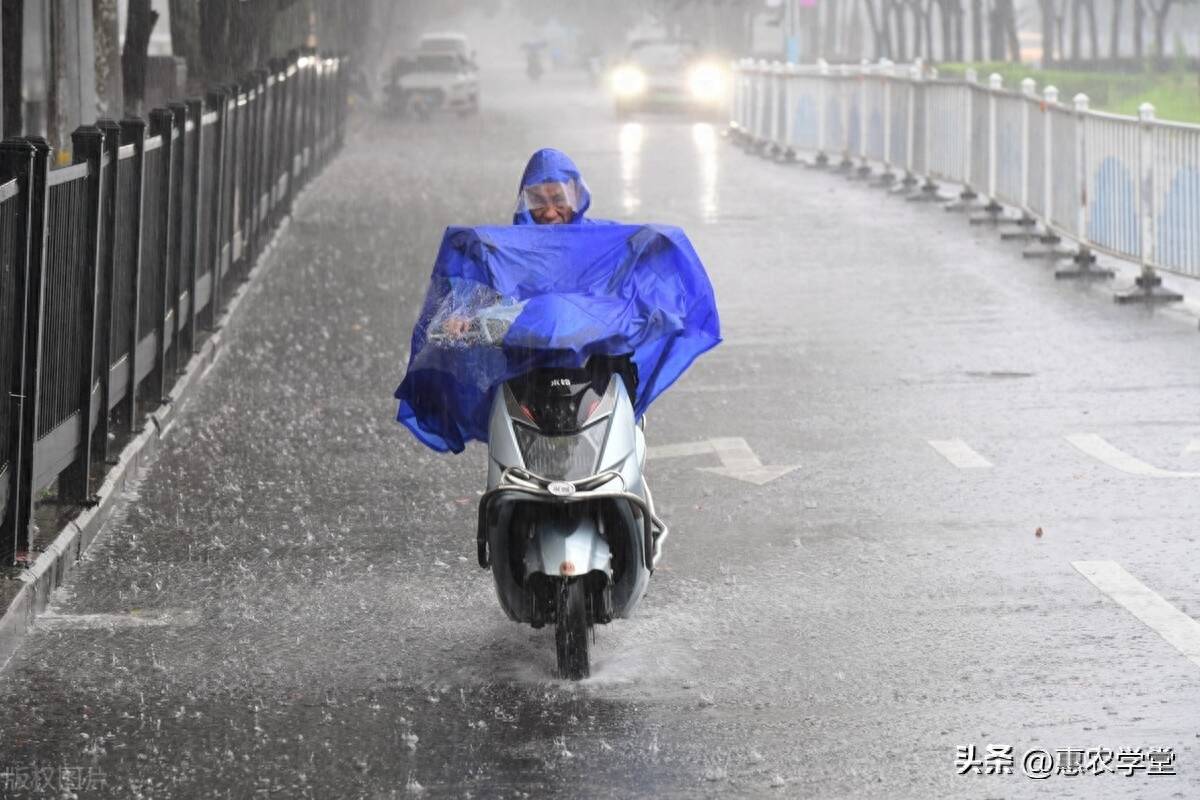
(112, 267)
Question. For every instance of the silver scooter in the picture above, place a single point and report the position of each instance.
(567, 524)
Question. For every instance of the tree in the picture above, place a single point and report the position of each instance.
(1161, 10)
(1048, 32)
(977, 12)
(1114, 30)
(901, 28)
(1089, 7)
(11, 41)
(1006, 24)
(1076, 32)
(880, 35)
(140, 22)
(1139, 29)
(107, 36)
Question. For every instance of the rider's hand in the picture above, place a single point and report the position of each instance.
(456, 326)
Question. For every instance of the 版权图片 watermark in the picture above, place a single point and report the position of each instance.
(35, 779)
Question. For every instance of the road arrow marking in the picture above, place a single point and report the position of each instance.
(738, 461)
(1098, 448)
(1180, 630)
(679, 450)
(960, 454)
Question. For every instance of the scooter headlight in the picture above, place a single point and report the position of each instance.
(707, 82)
(568, 457)
(628, 81)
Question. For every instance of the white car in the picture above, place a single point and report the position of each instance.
(434, 79)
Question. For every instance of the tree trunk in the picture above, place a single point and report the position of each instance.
(995, 45)
(880, 33)
(977, 30)
(960, 32)
(1009, 20)
(1076, 33)
(1093, 30)
(1161, 11)
(108, 57)
(138, 25)
(1114, 30)
(1139, 29)
(1060, 28)
(947, 29)
(1047, 7)
(901, 49)
(927, 21)
(11, 49)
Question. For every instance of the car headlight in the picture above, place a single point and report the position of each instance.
(707, 82)
(628, 81)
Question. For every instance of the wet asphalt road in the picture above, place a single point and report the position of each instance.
(295, 607)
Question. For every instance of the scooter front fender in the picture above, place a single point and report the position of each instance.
(566, 548)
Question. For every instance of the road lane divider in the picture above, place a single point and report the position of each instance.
(1180, 630)
(1098, 448)
(959, 453)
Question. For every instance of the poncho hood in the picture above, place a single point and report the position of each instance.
(550, 166)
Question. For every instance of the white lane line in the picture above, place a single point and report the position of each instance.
(960, 454)
(51, 621)
(680, 450)
(1180, 630)
(1099, 449)
(1192, 447)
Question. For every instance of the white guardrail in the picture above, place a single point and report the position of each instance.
(1126, 186)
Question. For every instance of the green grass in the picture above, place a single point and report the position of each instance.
(1175, 95)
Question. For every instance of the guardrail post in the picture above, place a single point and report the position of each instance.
(776, 128)
(844, 73)
(196, 167)
(1049, 237)
(162, 123)
(992, 209)
(1026, 221)
(888, 76)
(864, 167)
(74, 483)
(968, 196)
(787, 75)
(179, 258)
(1148, 286)
(1084, 258)
(18, 161)
(31, 353)
(109, 217)
(912, 86)
(217, 100)
(822, 158)
(929, 188)
(133, 131)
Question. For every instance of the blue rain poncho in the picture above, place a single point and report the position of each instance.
(527, 296)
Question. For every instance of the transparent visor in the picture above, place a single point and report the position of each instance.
(563, 196)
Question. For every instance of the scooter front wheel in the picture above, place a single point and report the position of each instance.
(571, 630)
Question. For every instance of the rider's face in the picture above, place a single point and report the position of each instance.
(549, 204)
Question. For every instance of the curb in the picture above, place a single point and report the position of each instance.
(56, 563)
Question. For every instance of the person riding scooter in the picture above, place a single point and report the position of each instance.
(531, 339)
